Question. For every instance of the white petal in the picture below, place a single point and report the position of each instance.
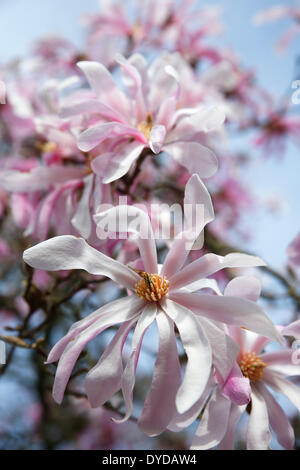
(82, 218)
(160, 402)
(258, 431)
(198, 351)
(68, 252)
(213, 424)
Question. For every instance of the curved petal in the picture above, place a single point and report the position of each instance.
(198, 351)
(206, 119)
(157, 138)
(195, 157)
(74, 348)
(229, 310)
(282, 362)
(160, 402)
(244, 286)
(237, 387)
(227, 442)
(90, 106)
(104, 86)
(126, 304)
(258, 431)
(128, 377)
(2, 92)
(293, 329)
(196, 197)
(278, 419)
(68, 252)
(210, 264)
(113, 165)
(182, 421)
(39, 178)
(282, 385)
(131, 219)
(94, 135)
(213, 424)
(81, 220)
(204, 284)
(145, 320)
(104, 379)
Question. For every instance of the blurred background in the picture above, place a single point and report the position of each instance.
(28, 417)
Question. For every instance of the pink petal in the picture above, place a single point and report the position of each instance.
(113, 165)
(160, 402)
(227, 442)
(93, 136)
(128, 377)
(224, 349)
(182, 421)
(213, 424)
(74, 348)
(194, 157)
(258, 432)
(131, 219)
(198, 351)
(103, 84)
(229, 310)
(68, 252)
(210, 264)
(282, 362)
(293, 329)
(282, 385)
(278, 420)
(104, 379)
(81, 220)
(90, 106)
(157, 138)
(244, 286)
(196, 195)
(127, 305)
(2, 92)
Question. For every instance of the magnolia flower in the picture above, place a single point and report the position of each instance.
(165, 294)
(145, 118)
(261, 370)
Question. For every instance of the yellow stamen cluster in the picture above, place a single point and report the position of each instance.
(152, 287)
(146, 126)
(252, 366)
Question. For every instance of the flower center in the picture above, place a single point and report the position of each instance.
(151, 287)
(252, 366)
(146, 126)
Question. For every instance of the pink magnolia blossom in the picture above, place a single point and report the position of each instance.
(146, 117)
(254, 368)
(165, 294)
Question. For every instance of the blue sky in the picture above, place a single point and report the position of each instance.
(22, 21)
